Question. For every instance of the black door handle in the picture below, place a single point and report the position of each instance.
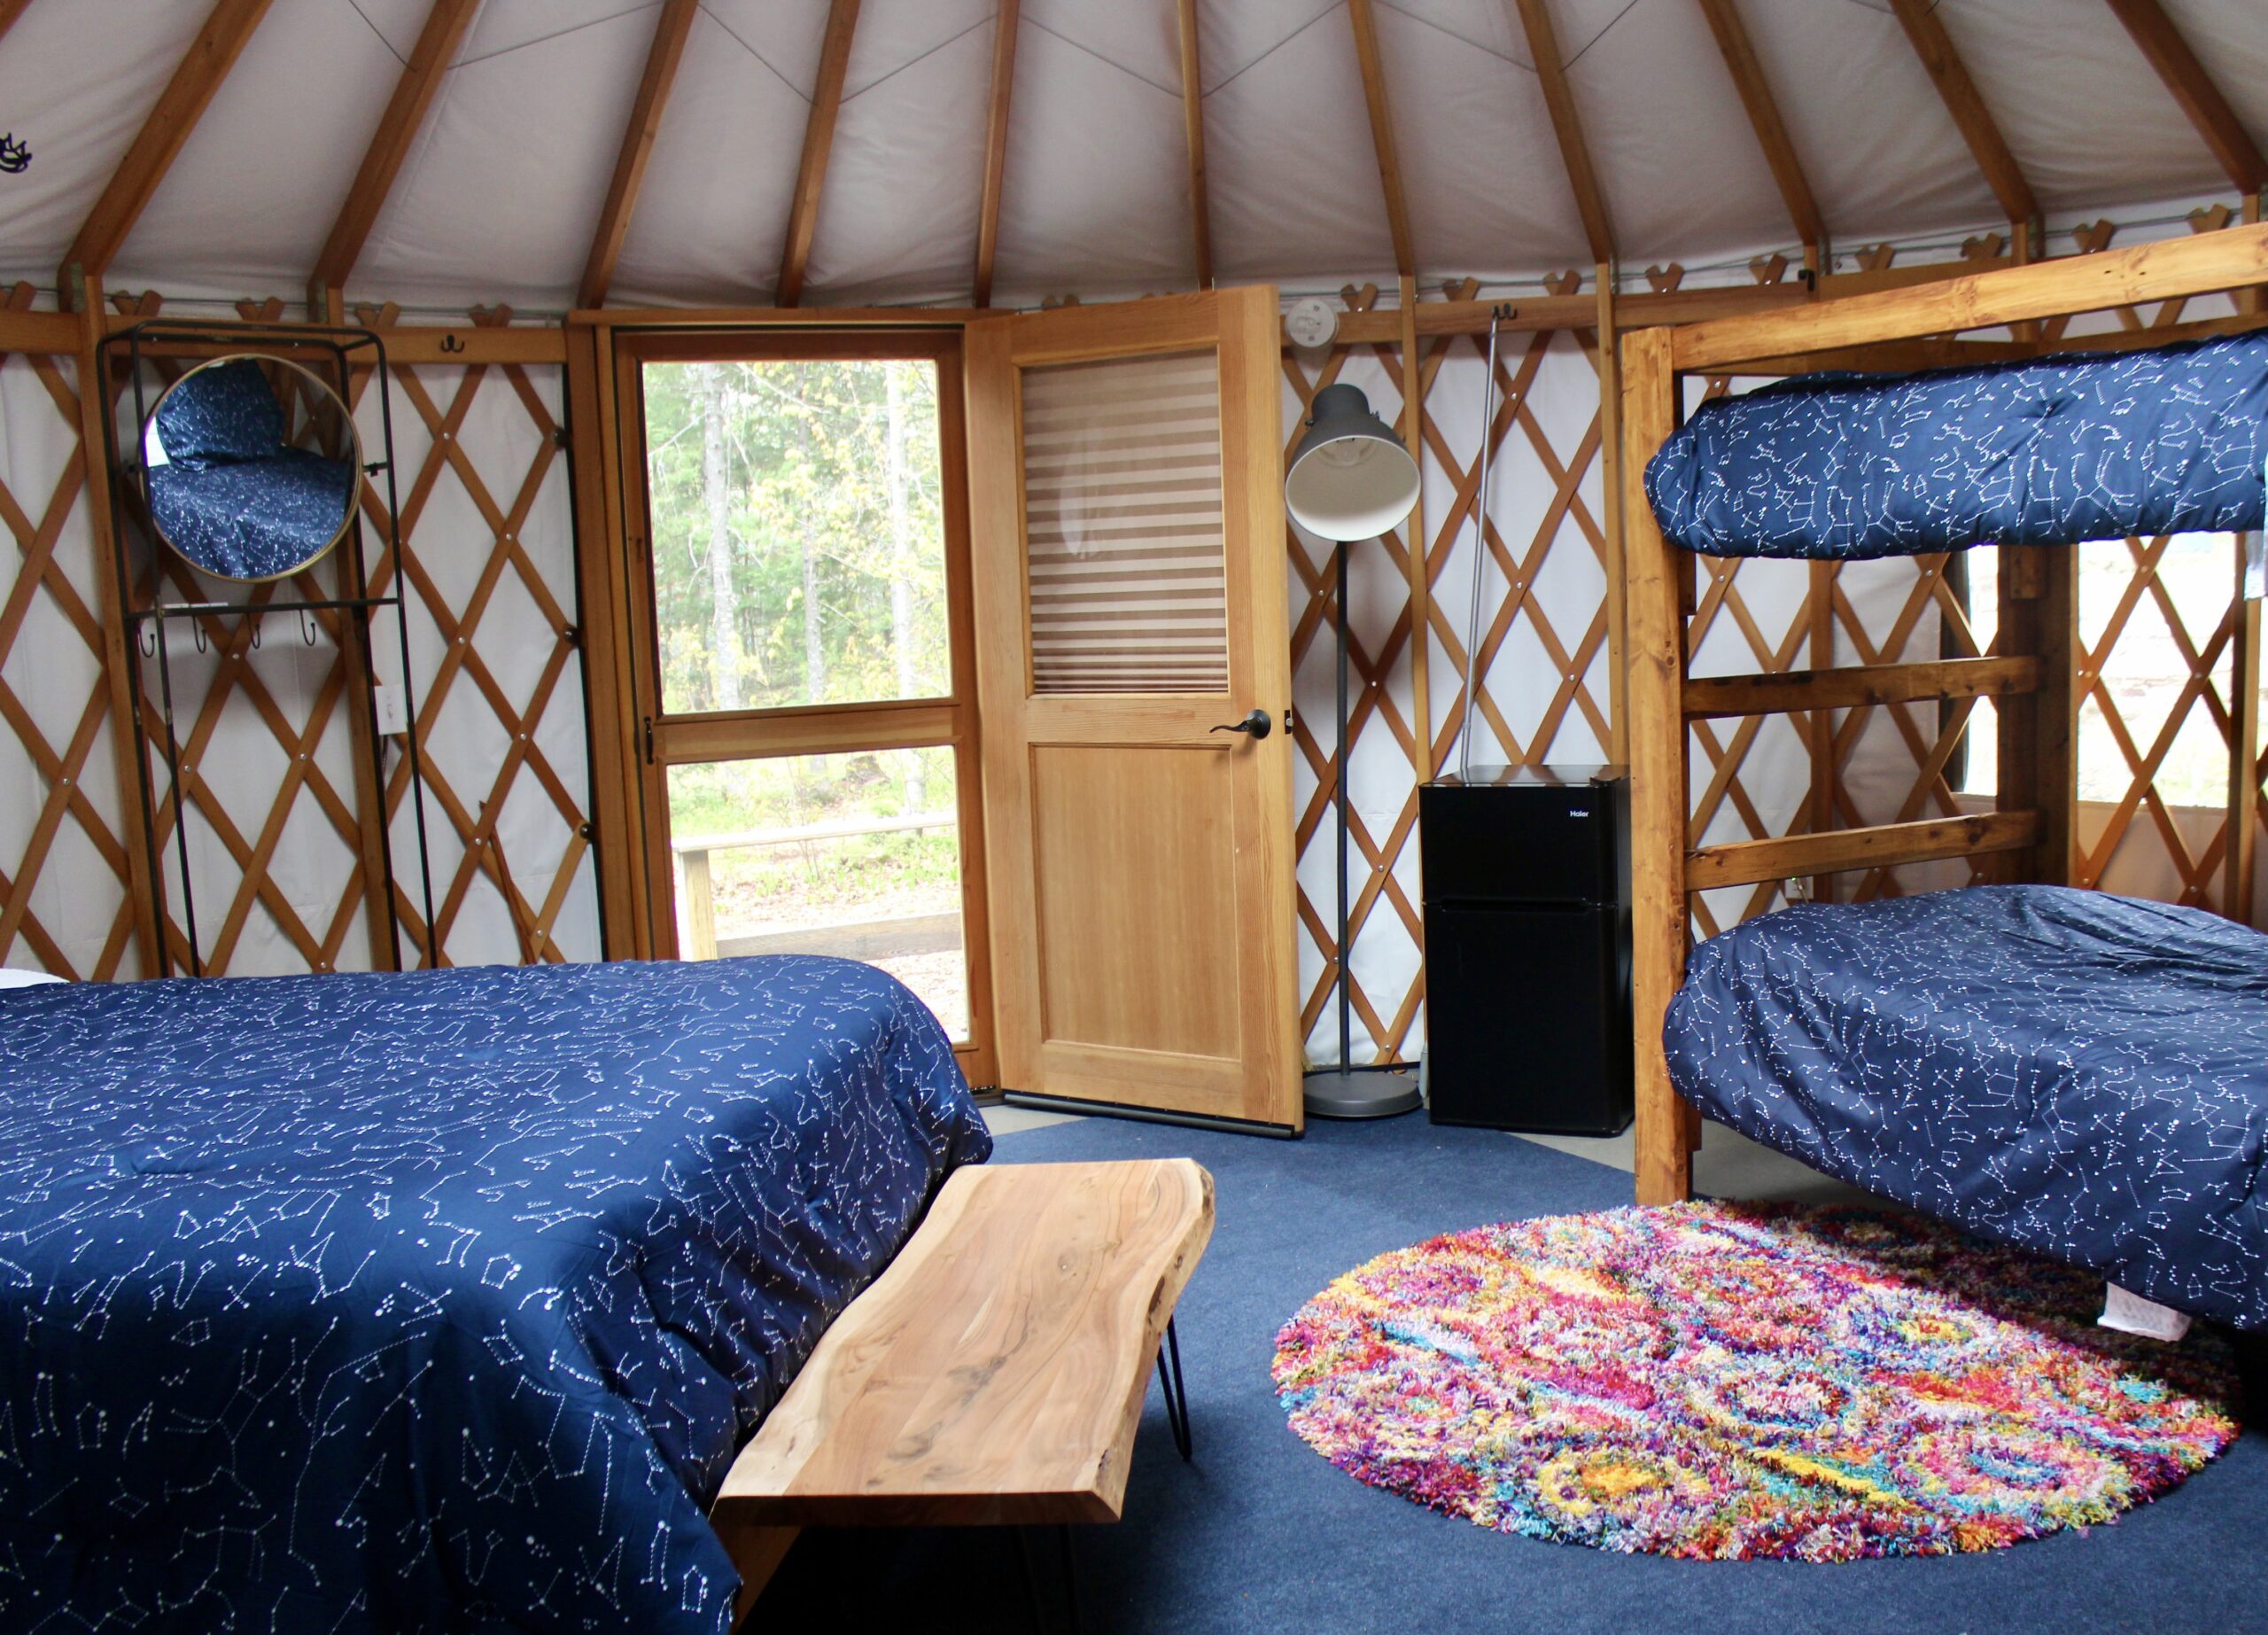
(1259, 724)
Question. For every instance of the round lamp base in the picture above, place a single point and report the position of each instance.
(1336, 1092)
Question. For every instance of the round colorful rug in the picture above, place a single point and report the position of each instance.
(1725, 1381)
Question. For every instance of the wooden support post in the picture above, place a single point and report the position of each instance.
(2244, 738)
(672, 28)
(1373, 70)
(163, 135)
(1610, 454)
(1413, 532)
(996, 148)
(818, 140)
(398, 126)
(1654, 627)
(698, 898)
(2038, 730)
(1818, 725)
(603, 621)
(122, 665)
(1192, 120)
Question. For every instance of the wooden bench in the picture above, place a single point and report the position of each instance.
(994, 1374)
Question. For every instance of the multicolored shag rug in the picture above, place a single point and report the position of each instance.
(1724, 1381)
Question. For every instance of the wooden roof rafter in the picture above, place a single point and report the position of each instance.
(214, 51)
(670, 30)
(1739, 53)
(1559, 102)
(818, 140)
(1373, 69)
(1934, 46)
(446, 25)
(996, 147)
(2192, 88)
(1193, 120)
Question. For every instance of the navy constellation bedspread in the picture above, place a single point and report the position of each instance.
(2081, 1074)
(432, 1302)
(2048, 451)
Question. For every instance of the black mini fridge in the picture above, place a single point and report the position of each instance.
(1526, 888)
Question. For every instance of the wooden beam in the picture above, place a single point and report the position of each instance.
(1654, 629)
(1880, 845)
(818, 139)
(405, 116)
(1858, 687)
(1192, 120)
(1740, 57)
(1397, 203)
(996, 147)
(670, 30)
(2194, 90)
(1559, 101)
(163, 135)
(2200, 264)
(1946, 72)
(122, 662)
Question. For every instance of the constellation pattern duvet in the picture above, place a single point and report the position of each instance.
(2081, 1074)
(433, 1301)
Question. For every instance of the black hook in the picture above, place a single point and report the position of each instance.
(15, 157)
(258, 624)
(450, 343)
(196, 634)
(308, 629)
(146, 639)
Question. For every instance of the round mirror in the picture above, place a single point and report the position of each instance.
(232, 490)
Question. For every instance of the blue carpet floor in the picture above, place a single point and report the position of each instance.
(1260, 1534)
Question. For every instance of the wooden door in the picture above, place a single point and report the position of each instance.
(1127, 519)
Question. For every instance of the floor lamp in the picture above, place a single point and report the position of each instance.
(1351, 479)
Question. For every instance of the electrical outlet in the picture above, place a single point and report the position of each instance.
(392, 708)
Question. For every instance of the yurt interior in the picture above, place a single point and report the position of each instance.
(736, 734)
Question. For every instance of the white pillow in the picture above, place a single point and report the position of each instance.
(24, 978)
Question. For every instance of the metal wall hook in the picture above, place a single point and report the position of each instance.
(258, 624)
(309, 630)
(146, 639)
(196, 634)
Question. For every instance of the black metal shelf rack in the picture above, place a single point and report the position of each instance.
(147, 623)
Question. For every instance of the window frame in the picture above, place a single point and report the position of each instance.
(949, 720)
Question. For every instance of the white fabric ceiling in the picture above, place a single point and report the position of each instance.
(498, 195)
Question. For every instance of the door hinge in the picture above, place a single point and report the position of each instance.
(649, 741)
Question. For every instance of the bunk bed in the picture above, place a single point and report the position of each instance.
(2075, 1073)
(433, 1299)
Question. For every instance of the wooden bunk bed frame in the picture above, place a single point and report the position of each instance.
(2029, 837)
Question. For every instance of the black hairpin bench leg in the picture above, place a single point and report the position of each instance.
(1175, 1393)
(1070, 1580)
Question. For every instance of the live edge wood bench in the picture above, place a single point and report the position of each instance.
(994, 1374)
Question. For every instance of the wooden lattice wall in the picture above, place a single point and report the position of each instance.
(274, 774)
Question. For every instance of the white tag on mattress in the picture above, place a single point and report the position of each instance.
(2130, 1313)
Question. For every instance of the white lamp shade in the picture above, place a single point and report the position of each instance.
(1351, 477)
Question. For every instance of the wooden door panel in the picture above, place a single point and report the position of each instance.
(1121, 961)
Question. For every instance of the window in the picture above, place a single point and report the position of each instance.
(798, 542)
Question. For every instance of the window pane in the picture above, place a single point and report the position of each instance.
(798, 533)
(1122, 525)
(852, 855)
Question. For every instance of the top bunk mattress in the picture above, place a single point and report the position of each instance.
(2081, 1074)
(437, 1300)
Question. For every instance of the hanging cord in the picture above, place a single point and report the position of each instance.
(1496, 316)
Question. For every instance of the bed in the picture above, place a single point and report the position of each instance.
(2081, 1074)
(430, 1301)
